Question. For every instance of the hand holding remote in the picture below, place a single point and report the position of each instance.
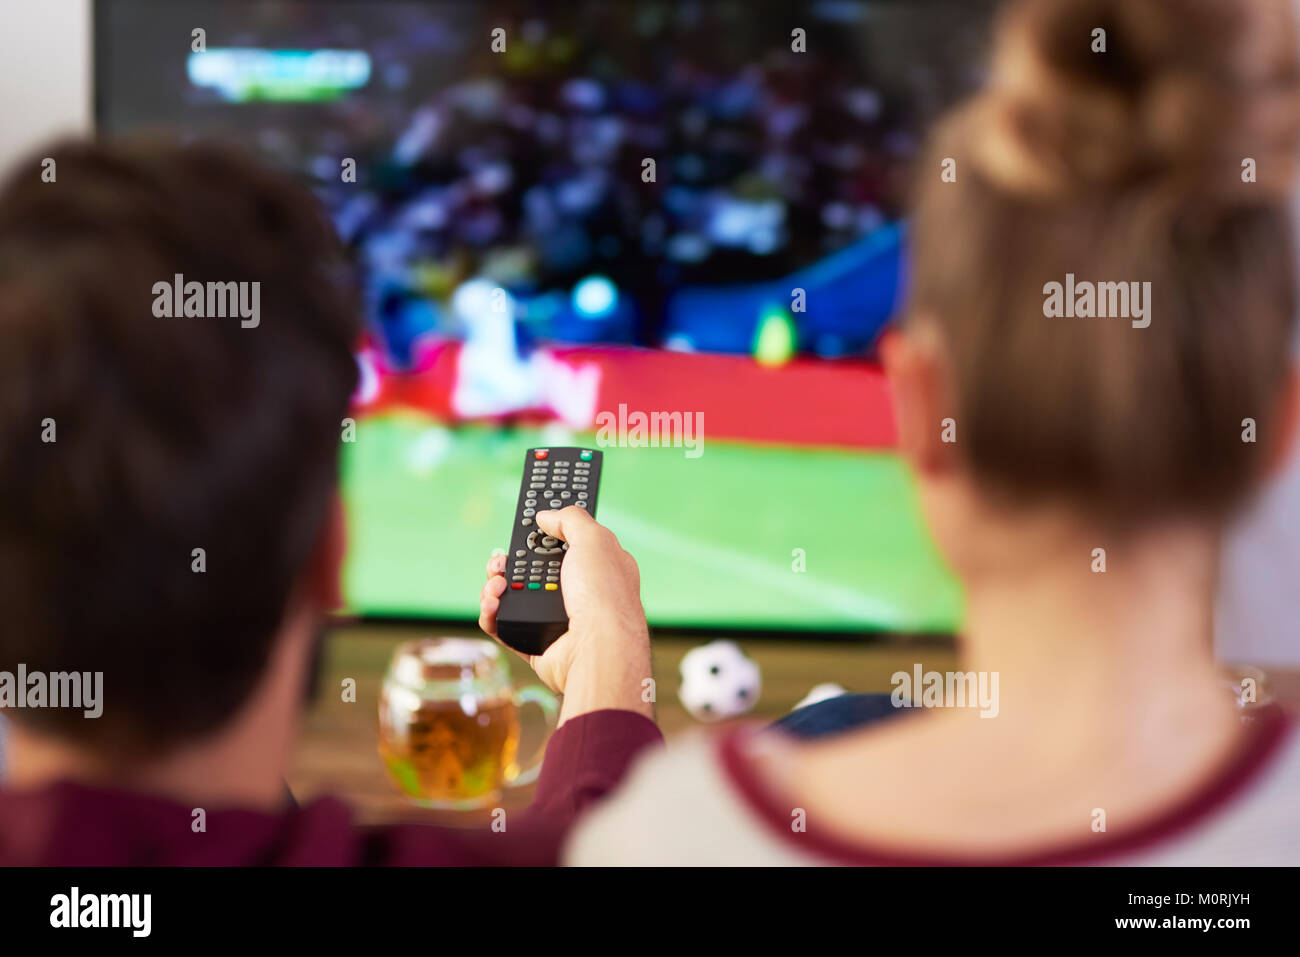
(603, 659)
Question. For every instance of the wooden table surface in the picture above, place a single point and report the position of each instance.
(337, 752)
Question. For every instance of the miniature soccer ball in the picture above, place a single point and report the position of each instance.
(718, 681)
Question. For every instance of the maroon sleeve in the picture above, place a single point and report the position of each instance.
(585, 760)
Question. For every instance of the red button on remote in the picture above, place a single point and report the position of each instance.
(540, 454)
(516, 585)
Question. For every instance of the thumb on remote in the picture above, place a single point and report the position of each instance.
(570, 524)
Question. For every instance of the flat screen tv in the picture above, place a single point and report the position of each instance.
(672, 230)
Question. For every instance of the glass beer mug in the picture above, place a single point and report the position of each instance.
(449, 723)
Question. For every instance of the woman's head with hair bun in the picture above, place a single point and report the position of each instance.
(1141, 144)
(1103, 95)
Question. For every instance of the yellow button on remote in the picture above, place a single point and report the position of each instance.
(552, 586)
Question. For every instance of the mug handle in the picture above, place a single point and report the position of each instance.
(550, 705)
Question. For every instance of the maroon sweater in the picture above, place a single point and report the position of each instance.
(72, 824)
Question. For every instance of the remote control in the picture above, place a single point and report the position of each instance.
(531, 615)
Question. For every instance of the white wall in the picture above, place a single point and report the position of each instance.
(45, 72)
(1259, 600)
(45, 89)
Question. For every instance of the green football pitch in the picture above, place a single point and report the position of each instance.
(744, 536)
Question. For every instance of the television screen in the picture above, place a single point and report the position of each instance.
(670, 230)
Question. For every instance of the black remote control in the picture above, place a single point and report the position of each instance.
(532, 615)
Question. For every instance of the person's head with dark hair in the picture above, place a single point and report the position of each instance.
(169, 480)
